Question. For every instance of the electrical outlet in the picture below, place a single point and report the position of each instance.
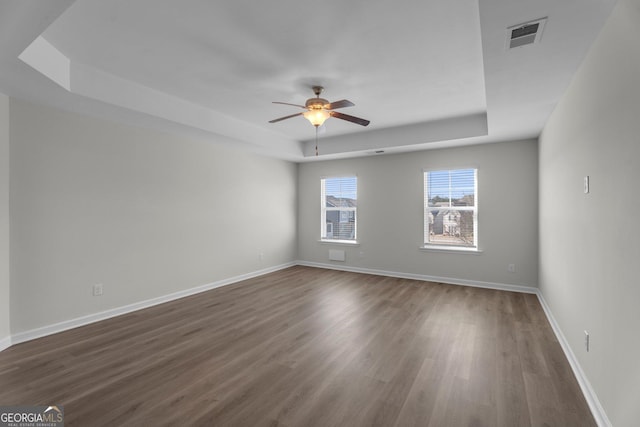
(261, 256)
(586, 340)
(97, 290)
(511, 268)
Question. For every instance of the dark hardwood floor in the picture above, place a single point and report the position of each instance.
(308, 347)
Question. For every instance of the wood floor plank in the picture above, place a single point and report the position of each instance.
(308, 347)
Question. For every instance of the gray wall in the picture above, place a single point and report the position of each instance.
(589, 243)
(141, 212)
(390, 219)
(4, 218)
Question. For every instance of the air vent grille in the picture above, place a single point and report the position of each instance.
(527, 30)
(524, 34)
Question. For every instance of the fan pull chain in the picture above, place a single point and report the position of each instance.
(316, 141)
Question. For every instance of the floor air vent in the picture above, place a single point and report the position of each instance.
(524, 34)
(336, 255)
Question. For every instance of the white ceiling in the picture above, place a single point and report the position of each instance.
(427, 74)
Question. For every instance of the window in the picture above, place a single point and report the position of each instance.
(339, 200)
(450, 208)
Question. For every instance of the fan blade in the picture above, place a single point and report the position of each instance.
(339, 104)
(286, 103)
(349, 118)
(284, 118)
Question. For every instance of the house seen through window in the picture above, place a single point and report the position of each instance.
(450, 208)
(339, 201)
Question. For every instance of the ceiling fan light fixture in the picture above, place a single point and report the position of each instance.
(316, 116)
(318, 110)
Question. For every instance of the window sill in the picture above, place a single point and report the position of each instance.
(451, 249)
(340, 242)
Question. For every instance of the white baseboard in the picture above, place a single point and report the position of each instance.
(103, 315)
(5, 343)
(589, 393)
(424, 277)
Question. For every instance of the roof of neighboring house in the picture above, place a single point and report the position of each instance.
(337, 202)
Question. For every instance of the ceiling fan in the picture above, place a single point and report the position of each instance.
(319, 109)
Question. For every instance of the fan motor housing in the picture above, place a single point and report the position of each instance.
(316, 103)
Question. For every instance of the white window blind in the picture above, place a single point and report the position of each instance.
(339, 201)
(450, 208)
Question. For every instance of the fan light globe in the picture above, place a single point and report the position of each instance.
(316, 116)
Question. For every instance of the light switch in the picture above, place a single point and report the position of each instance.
(586, 184)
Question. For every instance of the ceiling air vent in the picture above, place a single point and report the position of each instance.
(524, 34)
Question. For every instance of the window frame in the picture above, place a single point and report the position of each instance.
(324, 209)
(438, 246)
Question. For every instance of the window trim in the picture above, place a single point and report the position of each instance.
(324, 209)
(435, 247)
(339, 242)
(451, 249)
